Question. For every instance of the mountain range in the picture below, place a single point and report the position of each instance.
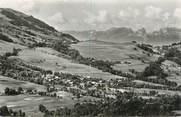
(160, 37)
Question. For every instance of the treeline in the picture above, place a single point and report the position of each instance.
(10, 91)
(154, 69)
(4, 111)
(5, 38)
(14, 69)
(37, 44)
(13, 53)
(125, 104)
(173, 54)
(146, 47)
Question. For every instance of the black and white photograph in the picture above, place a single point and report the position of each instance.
(90, 58)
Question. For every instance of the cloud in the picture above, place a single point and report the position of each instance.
(130, 12)
(58, 18)
(122, 14)
(166, 16)
(177, 13)
(178, 3)
(66, 14)
(152, 12)
(89, 1)
(177, 16)
(136, 12)
(23, 5)
(101, 18)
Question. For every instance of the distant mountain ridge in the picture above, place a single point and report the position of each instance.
(123, 34)
(169, 35)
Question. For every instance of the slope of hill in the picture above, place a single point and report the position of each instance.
(12, 83)
(23, 29)
(50, 59)
(102, 69)
(128, 54)
(20, 31)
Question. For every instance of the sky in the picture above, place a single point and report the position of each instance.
(101, 14)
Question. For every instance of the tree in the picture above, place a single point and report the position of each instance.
(6, 91)
(5, 38)
(42, 108)
(154, 69)
(4, 111)
(15, 52)
(20, 90)
(61, 46)
(9, 91)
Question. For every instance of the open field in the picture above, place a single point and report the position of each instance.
(134, 64)
(8, 47)
(175, 78)
(50, 59)
(12, 83)
(140, 82)
(123, 52)
(30, 103)
(160, 91)
(111, 51)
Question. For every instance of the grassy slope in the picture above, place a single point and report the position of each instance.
(116, 52)
(30, 103)
(8, 47)
(47, 58)
(110, 51)
(12, 83)
(174, 71)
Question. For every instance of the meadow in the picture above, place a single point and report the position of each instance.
(50, 59)
(12, 83)
(128, 54)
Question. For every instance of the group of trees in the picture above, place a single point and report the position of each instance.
(146, 47)
(37, 44)
(125, 104)
(5, 38)
(13, 53)
(21, 71)
(10, 91)
(173, 54)
(154, 69)
(42, 108)
(4, 111)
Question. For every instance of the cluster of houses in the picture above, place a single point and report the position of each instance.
(84, 86)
